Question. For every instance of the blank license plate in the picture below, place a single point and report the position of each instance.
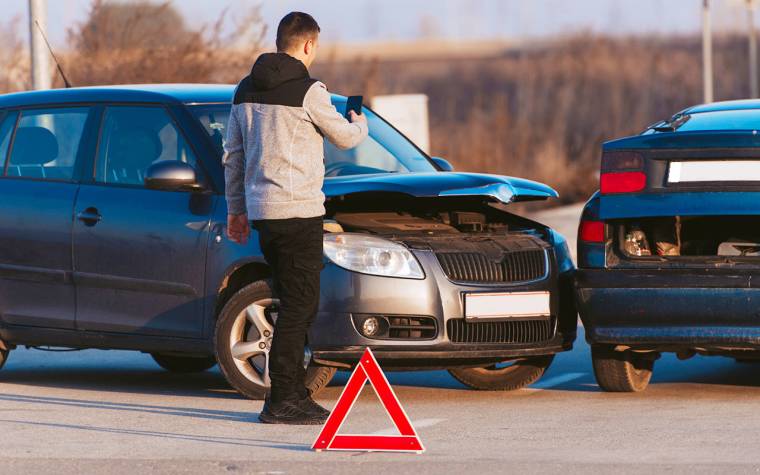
(503, 306)
(714, 170)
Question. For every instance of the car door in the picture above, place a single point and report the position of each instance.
(139, 253)
(38, 152)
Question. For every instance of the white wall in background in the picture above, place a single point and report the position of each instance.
(408, 113)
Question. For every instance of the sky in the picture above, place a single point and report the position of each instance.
(457, 20)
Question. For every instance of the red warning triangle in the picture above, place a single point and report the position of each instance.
(407, 441)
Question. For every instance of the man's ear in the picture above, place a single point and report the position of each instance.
(308, 47)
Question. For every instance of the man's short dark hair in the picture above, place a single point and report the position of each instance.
(293, 27)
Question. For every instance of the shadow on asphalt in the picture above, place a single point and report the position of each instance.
(126, 372)
(235, 416)
(247, 442)
(207, 384)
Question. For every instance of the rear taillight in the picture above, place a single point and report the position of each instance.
(622, 172)
(591, 231)
(622, 182)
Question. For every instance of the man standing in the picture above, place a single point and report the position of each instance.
(274, 170)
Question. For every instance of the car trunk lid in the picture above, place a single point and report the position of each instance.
(681, 174)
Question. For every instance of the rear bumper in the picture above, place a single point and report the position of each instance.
(670, 309)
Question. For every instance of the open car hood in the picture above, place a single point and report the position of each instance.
(434, 184)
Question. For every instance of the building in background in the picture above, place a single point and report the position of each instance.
(408, 113)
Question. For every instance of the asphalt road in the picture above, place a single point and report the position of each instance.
(117, 412)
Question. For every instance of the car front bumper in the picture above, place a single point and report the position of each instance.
(670, 309)
(334, 338)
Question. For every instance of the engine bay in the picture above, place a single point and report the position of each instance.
(400, 215)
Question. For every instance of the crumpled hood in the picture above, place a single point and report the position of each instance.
(272, 69)
(496, 187)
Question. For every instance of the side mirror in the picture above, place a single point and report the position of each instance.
(171, 175)
(443, 164)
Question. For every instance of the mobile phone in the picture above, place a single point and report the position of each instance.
(354, 103)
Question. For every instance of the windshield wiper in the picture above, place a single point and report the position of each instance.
(673, 124)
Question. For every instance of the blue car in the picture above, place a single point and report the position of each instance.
(113, 236)
(669, 247)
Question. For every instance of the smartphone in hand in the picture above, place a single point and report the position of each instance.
(353, 103)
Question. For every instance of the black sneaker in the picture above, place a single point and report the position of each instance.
(310, 406)
(289, 412)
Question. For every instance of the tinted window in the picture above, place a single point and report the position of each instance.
(6, 127)
(46, 143)
(133, 138)
(214, 121)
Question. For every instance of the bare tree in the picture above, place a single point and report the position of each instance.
(14, 62)
(144, 42)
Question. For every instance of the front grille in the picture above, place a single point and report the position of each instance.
(521, 331)
(519, 266)
(411, 328)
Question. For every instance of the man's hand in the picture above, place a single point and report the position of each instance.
(238, 228)
(357, 118)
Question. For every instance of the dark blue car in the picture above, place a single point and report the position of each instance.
(669, 248)
(112, 236)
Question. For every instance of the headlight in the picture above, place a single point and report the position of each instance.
(371, 255)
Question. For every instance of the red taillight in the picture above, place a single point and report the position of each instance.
(591, 231)
(622, 172)
(622, 182)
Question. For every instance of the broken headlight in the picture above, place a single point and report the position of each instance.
(371, 255)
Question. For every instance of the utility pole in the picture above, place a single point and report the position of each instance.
(41, 78)
(707, 63)
(753, 93)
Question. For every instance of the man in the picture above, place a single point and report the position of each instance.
(274, 170)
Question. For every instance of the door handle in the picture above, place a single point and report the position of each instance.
(90, 216)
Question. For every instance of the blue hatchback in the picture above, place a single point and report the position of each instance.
(670, 244)
(112, 236)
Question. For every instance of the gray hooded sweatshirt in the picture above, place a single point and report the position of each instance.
(274, 152)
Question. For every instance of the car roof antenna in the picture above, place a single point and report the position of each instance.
(60, 69)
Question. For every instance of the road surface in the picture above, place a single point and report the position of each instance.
(117, 412)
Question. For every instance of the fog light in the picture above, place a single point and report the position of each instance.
(370, 327)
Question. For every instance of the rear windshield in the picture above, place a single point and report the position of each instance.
(748, 119)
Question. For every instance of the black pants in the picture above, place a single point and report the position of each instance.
(293, 250)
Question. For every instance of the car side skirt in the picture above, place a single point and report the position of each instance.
(37, 336)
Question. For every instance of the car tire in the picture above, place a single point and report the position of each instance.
(3, 357)
(620, 371)
(245, 323)
(184, 364)
(519, 374)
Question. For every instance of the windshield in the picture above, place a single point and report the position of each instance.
(385, 151)
(743, 119)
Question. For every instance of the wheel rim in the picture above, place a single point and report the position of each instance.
(251, 340)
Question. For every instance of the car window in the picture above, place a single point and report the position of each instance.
(385, 150)
(135, 137)
(46, 142)
(6, 129)
(368, 157)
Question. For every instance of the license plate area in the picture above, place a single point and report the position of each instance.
(706, 171)
(502, 306)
